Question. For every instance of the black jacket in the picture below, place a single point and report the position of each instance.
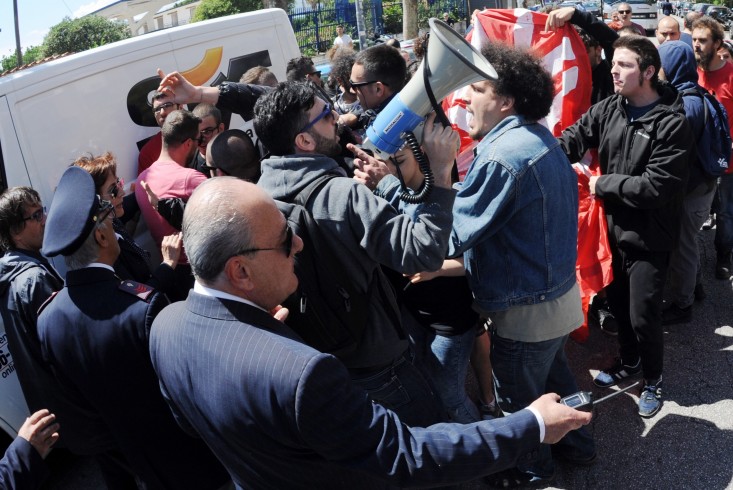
(644, 166)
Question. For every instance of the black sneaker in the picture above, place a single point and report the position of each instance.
(618, 372)
(723, 267)
(674, 314)
(650, 400)
(601, 313)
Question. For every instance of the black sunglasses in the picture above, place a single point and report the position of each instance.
(114, 189)
(36, 215)
(361, 84)
(624, 11)
(287, 246)
(316, 73)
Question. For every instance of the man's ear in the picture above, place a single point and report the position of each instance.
(100, 237)
(649, 72)
(305, 143)
(507, 104)
(239, 275)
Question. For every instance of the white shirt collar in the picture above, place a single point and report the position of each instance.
(207, 291)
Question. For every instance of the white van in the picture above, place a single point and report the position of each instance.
(99, 100)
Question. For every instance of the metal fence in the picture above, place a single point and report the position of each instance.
(315, 28)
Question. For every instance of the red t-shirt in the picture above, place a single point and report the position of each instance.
(720, 84)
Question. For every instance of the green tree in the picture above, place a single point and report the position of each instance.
(74, 35)
(34, 53)
(212, 9)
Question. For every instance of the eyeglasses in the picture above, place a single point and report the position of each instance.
(37, 215)
(361, 84)
(114, 189)
(327, 111)
(624, 12)
(287, 246)
(315, 73)
(163, 107)
(208, 131)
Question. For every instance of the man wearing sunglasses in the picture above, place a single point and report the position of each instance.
(280, 414)
(624, 13)
(27, 280)
(94, 336)
(300, 131)
(378, 75)
(302, 70)
(151, 150)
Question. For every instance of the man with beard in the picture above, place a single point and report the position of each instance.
(716, 75)
(643, 143)
(300, 131)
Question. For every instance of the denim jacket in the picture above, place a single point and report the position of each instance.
(515, 217)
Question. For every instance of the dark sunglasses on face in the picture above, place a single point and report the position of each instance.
(114, 189)
(163, 107)
(315, 73)
(624, 11)
(37, 215)
(287, 246)
(362, 84)
(326, 112)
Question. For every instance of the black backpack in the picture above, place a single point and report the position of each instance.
(328, 311)
(714, 144)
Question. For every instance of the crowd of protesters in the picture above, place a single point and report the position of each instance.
(133, 358)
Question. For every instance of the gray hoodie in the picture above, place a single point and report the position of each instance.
(371, 233)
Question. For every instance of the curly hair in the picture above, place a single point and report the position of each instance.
(99, 167)
(521, 77)
(707, 22)
(280, 114)
(341, 68)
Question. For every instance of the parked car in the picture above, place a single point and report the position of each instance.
(643, 12)
(721, 14)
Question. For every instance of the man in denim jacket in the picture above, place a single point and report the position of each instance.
(515, 222)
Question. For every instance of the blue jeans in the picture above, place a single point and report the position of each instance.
(724, 216)
(524, 371)
(447, 368)
(404, 390)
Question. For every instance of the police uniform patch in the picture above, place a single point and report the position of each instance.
(142, 291)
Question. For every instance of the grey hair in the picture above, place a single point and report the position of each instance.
(214, 230)
(87, 253)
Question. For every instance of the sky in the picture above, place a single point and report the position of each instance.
(36, 17)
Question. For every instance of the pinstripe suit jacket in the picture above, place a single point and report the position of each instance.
(280, 414)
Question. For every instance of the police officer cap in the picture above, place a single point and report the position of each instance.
(74, 211)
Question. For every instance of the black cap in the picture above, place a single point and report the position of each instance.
(73, 214)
